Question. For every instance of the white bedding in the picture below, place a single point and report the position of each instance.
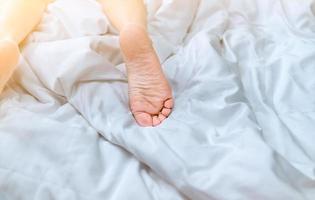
(243, 74)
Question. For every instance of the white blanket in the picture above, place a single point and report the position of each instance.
(243, 74)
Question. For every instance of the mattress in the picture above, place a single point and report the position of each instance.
(243, 126)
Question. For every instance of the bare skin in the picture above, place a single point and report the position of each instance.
(9, 54)
(150, 95)
(13, 30)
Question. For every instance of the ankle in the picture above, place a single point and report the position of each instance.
(134, 41)
(135, 32)
(131, 26)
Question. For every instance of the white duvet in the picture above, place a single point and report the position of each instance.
(243, 74)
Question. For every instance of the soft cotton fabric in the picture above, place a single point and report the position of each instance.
(243, 126)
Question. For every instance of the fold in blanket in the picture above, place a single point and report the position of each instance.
(242, 72)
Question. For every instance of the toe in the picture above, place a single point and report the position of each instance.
(161, 117)
(166, 112)
(143, 119)
(169, 103)
(156, 121)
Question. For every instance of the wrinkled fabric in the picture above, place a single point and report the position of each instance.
(242, 72)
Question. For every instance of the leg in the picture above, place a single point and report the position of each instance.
(150, 95)
(17, 19)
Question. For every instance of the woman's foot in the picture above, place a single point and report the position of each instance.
(150, 95)
(9, 56)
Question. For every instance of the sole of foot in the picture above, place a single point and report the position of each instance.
(150, 95)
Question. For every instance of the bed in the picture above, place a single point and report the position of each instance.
(243, 128)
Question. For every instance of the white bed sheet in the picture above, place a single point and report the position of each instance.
(243, 126)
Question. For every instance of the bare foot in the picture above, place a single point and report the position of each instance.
(9, 55)
(150, 95)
